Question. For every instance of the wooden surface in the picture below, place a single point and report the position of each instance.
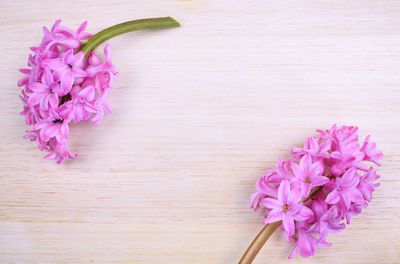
(200, 112)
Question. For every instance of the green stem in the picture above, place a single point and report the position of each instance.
(134, 25)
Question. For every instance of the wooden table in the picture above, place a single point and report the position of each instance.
(200, 112)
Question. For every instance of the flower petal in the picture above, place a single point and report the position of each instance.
(298, 172)
(272, 204)
(288, 224)
(255, 200)
(283, 191)
(305, 189)
(67, 80)
(273, 216)
(333, 197)
(319, 180)
(303, 214)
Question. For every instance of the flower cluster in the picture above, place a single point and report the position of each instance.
(318, 190)
(63, 86)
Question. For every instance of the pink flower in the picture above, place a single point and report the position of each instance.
(80, 107)
(330, 222)
(308, 174)
(59, 36)
(266, 186)
(67, 69)
(368, 184)
(345, 189)
(286, 208)
(313, 148)
(283, 169)
(96, 66)
(329, 167)
(25, 80)
(80, 33)
(306, 244)
(52, 127)
(44, 93)
(58, 151)
(60, 85)
(101, 106)
(371, 154)
(347, 156)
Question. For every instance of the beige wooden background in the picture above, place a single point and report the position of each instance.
(200, 112)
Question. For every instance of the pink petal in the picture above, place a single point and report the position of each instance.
(306, 245)
(273, 216)
(79, 72)
(355, 195)
(90, 108)
(82, 27)
(34, 99)
(47, 77)
(255, 200)
(67, 80)
(64, 129)
(298, 172)
(305, 189)
(53, 101)
(303, 214)
(85, 35)
(316, 169)
(348, 176)
(288, 224)
(272, 204)
(76, 59)
(50, 132)
(38, 87)
(346, 199)
(333, 197)
(87, 92)
(56, 25)
(55, 64)
(294, 196)
(283, 191)
(319, 180)
(93, 59)
(306, 161)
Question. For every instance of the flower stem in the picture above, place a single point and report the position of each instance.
(259, 242)
(262, 237)
(134, 25)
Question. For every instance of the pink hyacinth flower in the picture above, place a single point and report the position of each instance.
(286, 208)
(368, 184)
(44, 93)
(67, 69)
(312, 147)
(345, 189)
(330, 174)
(66, 81)
(308, 174)
(371, 154)
(266, 186)
(61, 86)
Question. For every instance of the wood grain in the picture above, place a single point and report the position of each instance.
(199, 113)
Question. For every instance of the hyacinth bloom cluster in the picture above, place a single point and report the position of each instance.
(319, 188)
(62, 86)
(66, 82)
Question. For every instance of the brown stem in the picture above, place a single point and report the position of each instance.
(262, 237)
(259, 242)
